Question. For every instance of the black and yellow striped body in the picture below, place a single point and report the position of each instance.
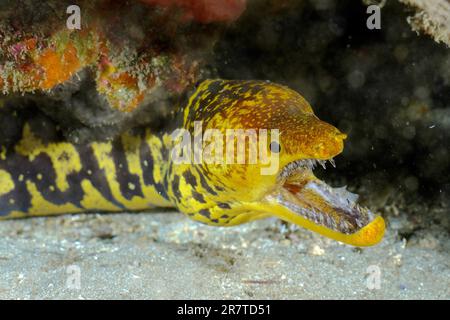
(42, 174)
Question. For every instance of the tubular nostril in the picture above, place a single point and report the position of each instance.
(341, 136)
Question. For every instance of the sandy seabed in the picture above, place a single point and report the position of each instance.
(167, 256)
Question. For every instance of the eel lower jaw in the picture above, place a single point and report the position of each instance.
(304, 200)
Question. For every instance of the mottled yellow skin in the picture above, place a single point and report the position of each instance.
(302, 136)
(136, 172)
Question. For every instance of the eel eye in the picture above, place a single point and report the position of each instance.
(275, 147)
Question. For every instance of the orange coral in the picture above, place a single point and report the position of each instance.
(120, 88)
(41, 59)
(41, 67)
(58, 67)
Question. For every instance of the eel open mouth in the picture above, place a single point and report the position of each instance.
(330, 211)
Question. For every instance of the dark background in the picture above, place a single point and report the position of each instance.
(389, 89)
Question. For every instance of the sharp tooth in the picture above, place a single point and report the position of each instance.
(343, 225)
(322, 163)
(329, 221)
(359, 223)
(310, 164)
(321, 219)
(332, 163)
(333, 224)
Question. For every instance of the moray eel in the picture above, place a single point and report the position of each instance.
(43, 174)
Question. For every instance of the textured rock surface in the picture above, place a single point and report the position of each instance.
(432, 18)
(127, 55)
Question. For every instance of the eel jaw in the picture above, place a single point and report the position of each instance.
(304, 200)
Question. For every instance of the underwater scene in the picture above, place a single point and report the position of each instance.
(225, 149)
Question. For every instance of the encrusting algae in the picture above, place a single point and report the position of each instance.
(129, 54)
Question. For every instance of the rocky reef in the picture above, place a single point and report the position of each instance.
(123, 56)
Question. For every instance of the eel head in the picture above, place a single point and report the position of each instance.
(285, 186)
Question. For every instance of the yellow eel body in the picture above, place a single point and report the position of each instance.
(42, 175)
